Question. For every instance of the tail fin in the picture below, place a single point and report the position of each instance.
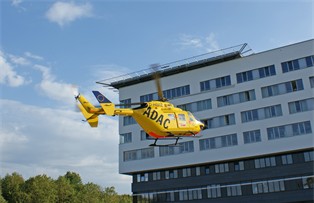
(105, 103)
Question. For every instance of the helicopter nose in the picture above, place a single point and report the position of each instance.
(202, 126)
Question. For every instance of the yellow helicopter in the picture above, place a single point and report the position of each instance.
(159, 118)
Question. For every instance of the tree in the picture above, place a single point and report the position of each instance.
(91, 193)
(12, 188)
(65, 191)
(125, 199)
(2, 200)
(74, 178)
(41, 189)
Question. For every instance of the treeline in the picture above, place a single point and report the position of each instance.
(66, 189)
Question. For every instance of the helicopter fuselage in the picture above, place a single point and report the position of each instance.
(161, 119)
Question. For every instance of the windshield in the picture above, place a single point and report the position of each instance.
(191, 116)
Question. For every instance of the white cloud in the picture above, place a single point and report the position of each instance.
(18, 60)
(58, 91)
(202, 44)
(190, 41)
(33, 56)
(64, 13)
(8, 75)
(211, 43)
(54, 141)
(16, 2)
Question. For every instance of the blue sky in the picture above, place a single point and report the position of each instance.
(47, 46)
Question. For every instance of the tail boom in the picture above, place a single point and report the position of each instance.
(91, 118)
(109, 107)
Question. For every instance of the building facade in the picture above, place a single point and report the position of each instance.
(258, 142)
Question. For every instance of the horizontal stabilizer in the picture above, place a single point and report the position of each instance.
(105, 103)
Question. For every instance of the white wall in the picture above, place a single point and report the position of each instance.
(194, 77)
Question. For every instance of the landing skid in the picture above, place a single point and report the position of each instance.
(165, 145)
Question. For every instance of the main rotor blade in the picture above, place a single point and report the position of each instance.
(130, 104)
(157, 80)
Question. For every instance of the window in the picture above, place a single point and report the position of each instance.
(221, 168)
(289, 130)
(213, 191)
(287, 159)
(171, 174)
(186, 172)
(256, 74)
(261, 113)
(128, 120)
(138, 154)
(239, 166)
(156, 175)
(169, 197)
(219, 121)
(252, 136)
(169, 94)
(144, 135)
(307, 182)
(218, 142)
(126, 102)
(197, 106)
(311, 82)
(147, 153)
(183, 147)
(234, 190)
(215, 83)
(125, 138)
(181, 117)
(149, 97)
(236, 98)
(301, 106)
(282, 88)
(308, 156)
(197, 171)
(177, 92)
(142, 177)
(207, 170)
(265, 162)
(268, 186)
(297, 64)
(190, 194)
(223, 81)
(195, 194)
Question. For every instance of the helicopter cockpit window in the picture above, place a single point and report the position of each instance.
(171, 116)
(181, 117)
(192, 119)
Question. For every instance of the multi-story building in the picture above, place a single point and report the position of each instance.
(258, 142)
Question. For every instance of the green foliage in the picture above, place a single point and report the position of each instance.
(12, 188)
(110, 195)
(2, 200)
(42, 189)
(66, 189)
(90, 192)
(74, 178)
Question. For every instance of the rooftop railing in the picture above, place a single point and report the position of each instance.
(241, 49)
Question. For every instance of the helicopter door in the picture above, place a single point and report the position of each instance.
(182, 120)
(170, 122)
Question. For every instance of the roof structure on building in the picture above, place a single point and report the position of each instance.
(180, 66)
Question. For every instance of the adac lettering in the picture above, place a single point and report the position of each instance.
(153, 115)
